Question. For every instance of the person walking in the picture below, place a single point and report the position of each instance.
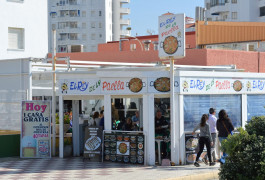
(212, 123)
(204, 139)
(224, 127)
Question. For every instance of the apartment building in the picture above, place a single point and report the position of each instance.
(82, 24)
(235, 10)
(24, 29)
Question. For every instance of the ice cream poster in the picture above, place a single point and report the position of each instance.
(35, 129)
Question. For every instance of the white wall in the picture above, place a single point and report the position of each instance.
(30, 15)
(15, 86)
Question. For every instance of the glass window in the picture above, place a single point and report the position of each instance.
(234, 1)
(262, 11)
(15, 38)
(256, 105)
(127, 114)
(196, 106)
(234, 15)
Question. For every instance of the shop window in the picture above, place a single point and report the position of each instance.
(127, 114)
(196, 106)
(255, 104)
(91, 108)
(262, 11)
(15, 38)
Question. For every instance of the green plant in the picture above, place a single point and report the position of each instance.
(246, 154)
(256, 126)
(66, 118)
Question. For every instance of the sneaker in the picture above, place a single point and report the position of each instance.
(196, 164)
(205, 161)
(212, 163)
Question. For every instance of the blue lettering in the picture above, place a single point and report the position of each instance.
(254, 84)
(168, 21)
(260, 85)
(72, 85)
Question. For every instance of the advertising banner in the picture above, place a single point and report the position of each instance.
(35, 129)
(221, 85)
(171, 36)
(79, 86)
(123, 85)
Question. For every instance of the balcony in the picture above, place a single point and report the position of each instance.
(216, 10)
(125, 21)
(125, 11)
(125, 33)
(125, 1)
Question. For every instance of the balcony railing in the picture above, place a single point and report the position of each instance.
(125, 21)
(125, 11)
(125, 1)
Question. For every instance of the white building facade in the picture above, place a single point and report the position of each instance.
(24, 29)
(82, 24)
(235, 10)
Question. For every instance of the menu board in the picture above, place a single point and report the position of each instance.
(192, 148)
(35, 129)
(124, 147)
(92, 146)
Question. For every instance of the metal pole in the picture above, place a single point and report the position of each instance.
(53, 93)
(173, 128)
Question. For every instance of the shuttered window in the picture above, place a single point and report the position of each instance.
(15, 38)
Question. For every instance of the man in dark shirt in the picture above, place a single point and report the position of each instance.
(161, 127)
(161, 124)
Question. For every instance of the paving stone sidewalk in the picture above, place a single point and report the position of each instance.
(76, 168)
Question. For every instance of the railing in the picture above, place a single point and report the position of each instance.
(125, 10)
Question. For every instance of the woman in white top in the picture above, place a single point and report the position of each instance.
(95, 120)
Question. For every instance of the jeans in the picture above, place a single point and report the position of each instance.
(221, 139)
(213, 151)
(204, 141)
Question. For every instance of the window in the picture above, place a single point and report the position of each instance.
(73, 24)
(231, 103)
(234, 1)
(92, 13)
(83, 13)
(99, 13)
(53, 26)
(84, 25)
(100, 35)
(74, 13)
(15, 38)
(53, 14)
(62, 48)
(93, 25)
(84, 36)
(100, 25)
(125, 108)
(93, 48)
(255, 105)
(262, 11)
(234, 15)
(132, 47)
(73, 36)
(93, 36)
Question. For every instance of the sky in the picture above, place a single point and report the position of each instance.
(144, 13)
